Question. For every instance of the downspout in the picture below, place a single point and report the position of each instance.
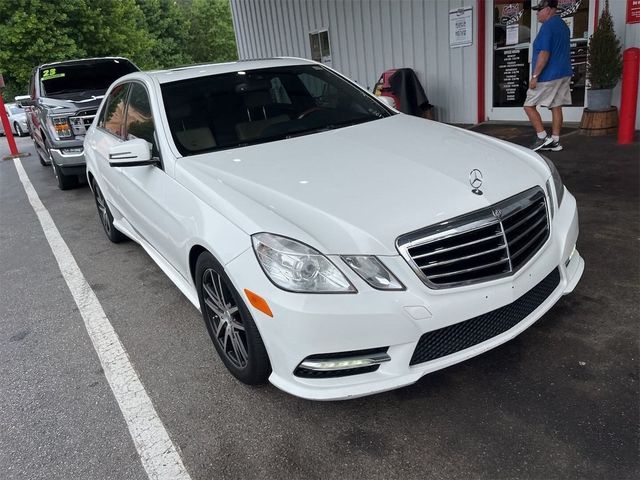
(481, 59)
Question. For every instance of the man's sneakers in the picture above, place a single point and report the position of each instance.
(541, 143)
(546, 144)
(553, 146)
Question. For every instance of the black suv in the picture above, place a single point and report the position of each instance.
(64, 99)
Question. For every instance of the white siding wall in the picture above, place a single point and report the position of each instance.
(368, 37)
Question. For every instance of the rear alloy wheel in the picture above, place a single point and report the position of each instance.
(113, 234)
(231, 328)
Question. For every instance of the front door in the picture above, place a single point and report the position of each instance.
(511, 29)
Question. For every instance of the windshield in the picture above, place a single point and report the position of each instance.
(243, 108)
(16, 110)
(87, 78)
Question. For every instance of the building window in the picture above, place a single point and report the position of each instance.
(320, 49)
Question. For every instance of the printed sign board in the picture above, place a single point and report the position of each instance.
(461, 27)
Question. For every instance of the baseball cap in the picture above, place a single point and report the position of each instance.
(545, 3)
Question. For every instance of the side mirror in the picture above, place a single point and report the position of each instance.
(132, 153)
(24, 101)
(388, 101)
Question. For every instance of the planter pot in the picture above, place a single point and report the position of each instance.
(599, 99)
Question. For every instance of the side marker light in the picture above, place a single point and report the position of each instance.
(258, 302)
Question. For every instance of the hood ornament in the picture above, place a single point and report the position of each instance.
(475, 180)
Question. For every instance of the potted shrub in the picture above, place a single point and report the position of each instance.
(604, 64)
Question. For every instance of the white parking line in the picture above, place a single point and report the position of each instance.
(157, 452)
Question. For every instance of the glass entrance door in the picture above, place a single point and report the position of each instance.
(511, 30)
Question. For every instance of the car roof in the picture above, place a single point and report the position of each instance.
(205, 69)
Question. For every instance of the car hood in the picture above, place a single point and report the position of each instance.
(356, 189)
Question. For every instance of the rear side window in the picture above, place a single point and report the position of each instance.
(112, 118)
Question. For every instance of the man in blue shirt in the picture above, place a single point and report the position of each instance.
(551, 79)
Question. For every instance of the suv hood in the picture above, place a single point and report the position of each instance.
(356, 189)
(71, 105)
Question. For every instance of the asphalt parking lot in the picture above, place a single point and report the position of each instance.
(558, 401)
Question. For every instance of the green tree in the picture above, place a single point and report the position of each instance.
(168, 24)
(211, 33)
(33, 31)
(113, 28)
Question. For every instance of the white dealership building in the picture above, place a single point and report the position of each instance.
(472, 56)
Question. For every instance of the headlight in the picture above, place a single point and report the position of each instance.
(372, 271)
(60, 127)
(557, 181)
(296, 267)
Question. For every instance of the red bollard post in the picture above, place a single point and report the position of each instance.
(7, 129)
(629, 95)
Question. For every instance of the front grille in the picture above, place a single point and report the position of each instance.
(479, 246)
(81, 121)
(466, 334)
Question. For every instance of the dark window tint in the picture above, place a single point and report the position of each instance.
(139, 123)
(112, 118)
(256, 106)
(74, 81)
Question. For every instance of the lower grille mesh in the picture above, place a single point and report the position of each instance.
(460, 336)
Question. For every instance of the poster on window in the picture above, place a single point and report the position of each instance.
(461, 27)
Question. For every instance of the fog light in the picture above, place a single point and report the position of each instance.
(345, 362)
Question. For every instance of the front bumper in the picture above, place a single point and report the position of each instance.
(304, 325)
(68, 153)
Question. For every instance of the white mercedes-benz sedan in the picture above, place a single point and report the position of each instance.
(334, 246)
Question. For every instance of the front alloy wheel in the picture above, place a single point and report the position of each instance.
(229, 323)
(223, 315)
(113, 234)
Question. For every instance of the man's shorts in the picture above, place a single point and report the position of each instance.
(554, 93)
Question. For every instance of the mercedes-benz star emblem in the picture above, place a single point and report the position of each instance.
(475, 179)
(497, 213)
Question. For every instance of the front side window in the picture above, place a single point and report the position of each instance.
(139, 122)
(256, 106)
(112, 118)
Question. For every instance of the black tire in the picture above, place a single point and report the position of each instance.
(18, 130)
(65, 182)
(106, 219)
(232, 330)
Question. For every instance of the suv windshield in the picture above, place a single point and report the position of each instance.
(243, 108)
(85, 78)
(16, 110)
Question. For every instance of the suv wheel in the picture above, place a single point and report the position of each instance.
(18, 130)
(231, 328)
(65, 182)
